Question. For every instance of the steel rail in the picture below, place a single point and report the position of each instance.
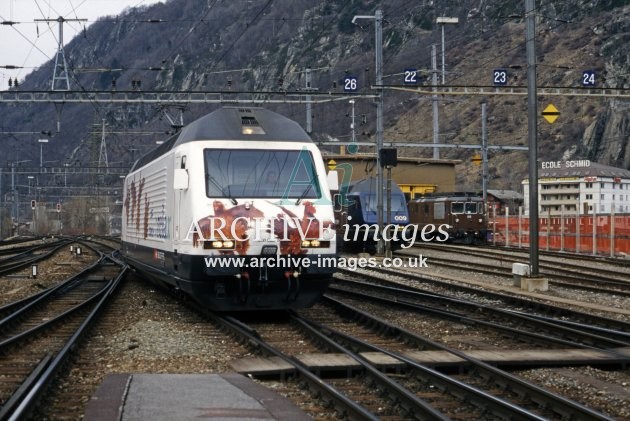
(491, 269)
(561, 406)
(7, 266)
(50, 322)
(620, 340)
(572, 270)
(623, 336)
(38, 298)
(412, 405)
(548, 256)
(534, 306)
(454, 387)
(37, 386)
(345, 406)
(551, 270)
(23, 390)
(461, 318)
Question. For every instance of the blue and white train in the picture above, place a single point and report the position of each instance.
(357, 213)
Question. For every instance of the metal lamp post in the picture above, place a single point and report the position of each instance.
(378, 25)
(41, 152)
(443, 20)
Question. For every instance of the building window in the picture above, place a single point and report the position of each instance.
(602, 196)
(589, 197)
(589, 185)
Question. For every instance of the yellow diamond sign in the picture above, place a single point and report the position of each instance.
(550, 113)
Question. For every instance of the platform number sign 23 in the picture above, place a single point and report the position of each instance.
(350, 84)
(499, 77)
(588, 78)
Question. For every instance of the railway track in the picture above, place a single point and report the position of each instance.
(411, 392)
(597, 264)
(39, 332)
(494, 316)
(398, 343)
(614, 281)
(492, 301)
(24, 256)
(403, 393)
(566, 255)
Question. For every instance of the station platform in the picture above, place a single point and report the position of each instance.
(162, 397)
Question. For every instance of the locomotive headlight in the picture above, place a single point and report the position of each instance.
(219, 245)
(314, 243)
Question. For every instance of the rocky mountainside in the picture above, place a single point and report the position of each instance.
(268, 44)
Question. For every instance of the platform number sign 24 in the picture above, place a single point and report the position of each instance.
(350, 84)
(499, 77)
(588, 78)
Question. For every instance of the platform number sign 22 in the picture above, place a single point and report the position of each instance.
(499, 77)
(350, 84)
(588, 78)
(411, 77)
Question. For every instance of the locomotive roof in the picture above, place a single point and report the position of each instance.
(439, 197)
(368, 185)
(231, 123)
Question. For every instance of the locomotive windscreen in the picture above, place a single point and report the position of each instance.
(398, 203)
(465, 207)
(257, 173)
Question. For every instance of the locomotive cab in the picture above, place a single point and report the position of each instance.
(358, 216)
(464, 213)
(235, 211)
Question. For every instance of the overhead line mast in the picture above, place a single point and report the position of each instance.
(60, 71)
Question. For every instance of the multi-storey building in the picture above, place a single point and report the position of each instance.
(584, 187)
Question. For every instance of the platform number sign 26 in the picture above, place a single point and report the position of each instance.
(588, 78)
(499, 77)
(411, 77)
(350, 84)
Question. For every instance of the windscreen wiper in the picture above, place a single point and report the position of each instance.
(308, 189)
(221, 189)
